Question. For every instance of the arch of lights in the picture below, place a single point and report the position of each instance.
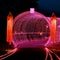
(30, 29)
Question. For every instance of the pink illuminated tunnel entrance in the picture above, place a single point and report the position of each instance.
(30, 30)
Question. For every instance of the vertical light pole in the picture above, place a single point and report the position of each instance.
(9, 28)
(53, 28)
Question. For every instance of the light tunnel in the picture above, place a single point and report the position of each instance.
(30, 30)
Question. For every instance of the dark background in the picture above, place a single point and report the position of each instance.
(45, 7)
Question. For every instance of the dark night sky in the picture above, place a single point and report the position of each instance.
(49, 6)
(17, 6)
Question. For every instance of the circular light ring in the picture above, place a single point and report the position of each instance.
(22, 21)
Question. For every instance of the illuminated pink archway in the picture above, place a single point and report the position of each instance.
(26, 13)
(23, 16)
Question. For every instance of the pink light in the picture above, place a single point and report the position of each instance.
(47, 49)
(53, 28)
(50, 56)
(9, 53)
(14, 50)
(32, 10)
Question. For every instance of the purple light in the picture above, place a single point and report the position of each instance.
(32, 10)
(24, 28)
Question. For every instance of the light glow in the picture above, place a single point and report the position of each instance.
(48, 53)
(41, 33)
(32, 10)
(9, 53)
(9, 27)
(53, 28)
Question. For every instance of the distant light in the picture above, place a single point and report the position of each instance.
(41, 33)
(58, 26)
(32, 10)
(46, 26)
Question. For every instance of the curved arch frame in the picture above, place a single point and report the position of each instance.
(27, 13)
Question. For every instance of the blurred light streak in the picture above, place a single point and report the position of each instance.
(53, 28)
(55, 55)
(47, 52)
(50, 56)
(9, 53)
(9, 28)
